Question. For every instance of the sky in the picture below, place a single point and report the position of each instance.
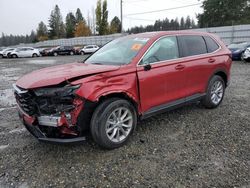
(21, 16)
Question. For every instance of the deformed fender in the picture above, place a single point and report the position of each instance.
(97, 86)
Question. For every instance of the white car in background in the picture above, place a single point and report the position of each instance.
(89, 49)
(6, 52)
(246, 55)
(25, 52)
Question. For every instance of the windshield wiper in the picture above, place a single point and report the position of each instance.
(97, 63)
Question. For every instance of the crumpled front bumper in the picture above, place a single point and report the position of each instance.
(29, 123)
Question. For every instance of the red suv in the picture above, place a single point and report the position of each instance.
(130, 78)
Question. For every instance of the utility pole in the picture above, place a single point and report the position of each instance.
(121, 15)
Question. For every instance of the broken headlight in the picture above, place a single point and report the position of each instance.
(56, 91)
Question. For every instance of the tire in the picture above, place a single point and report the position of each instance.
(55, 54)
(213, 99)
(14, 56)
(34, 55)
(82, 53)
(102, 131)
(8, 55)
(1, 56)
(71, 53)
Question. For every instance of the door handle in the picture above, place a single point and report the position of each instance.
(179, 67)
(211, 60)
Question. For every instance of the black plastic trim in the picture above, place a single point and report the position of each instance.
(63, 140)
(172, 105)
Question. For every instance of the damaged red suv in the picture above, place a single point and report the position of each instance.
(130, 78)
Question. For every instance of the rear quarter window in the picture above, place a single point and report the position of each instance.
(211, 44)
(192, 45)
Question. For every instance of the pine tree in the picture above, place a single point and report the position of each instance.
(115, 25)
(56, 25)
(79, 17)
(224, 12)
(70, 25)
(42, 32)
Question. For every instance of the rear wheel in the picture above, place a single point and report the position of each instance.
(215, 92)
(113, 122)
(1, 56)
(71, 53)
(82, 53)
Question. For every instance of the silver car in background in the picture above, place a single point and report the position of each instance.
(6, 52)
(89, 49)
(25, 52)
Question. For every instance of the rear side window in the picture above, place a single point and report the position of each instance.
(192, 45)
(211, 44)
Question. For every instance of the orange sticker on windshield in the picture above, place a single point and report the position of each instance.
(136, 47)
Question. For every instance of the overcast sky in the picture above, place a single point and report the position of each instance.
(21, 16)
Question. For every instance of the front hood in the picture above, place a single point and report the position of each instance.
(58, 74)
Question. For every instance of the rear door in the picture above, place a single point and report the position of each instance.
(162, 77)
(199, 61)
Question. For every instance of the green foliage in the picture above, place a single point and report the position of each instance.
(70, 25)
(102, 17)
(79, 16)
(224, 13)
(56, 25)
(115, 25)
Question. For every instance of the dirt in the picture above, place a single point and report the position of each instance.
(187, 147)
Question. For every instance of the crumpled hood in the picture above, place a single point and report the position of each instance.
(57, 74)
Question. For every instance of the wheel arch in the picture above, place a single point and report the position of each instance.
(121, 95)
(223, 75)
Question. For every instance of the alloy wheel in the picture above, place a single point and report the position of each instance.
(119, 124)
(217, 92)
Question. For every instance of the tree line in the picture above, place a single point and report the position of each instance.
(75, 25)
(215, 13)
(166, 25)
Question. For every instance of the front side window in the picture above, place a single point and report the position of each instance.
(192, 45)
(118, 52)
(163, 50)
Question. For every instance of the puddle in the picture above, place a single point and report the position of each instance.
(7, 98)
(2, 147)
(41, 62)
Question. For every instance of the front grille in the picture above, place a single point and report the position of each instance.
(25, 101)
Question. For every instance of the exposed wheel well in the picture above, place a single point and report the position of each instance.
(223, 76)
(119, 95)
(89, 107)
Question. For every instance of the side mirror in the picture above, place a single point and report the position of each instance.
(147, 67)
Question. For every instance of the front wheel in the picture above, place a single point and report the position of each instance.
(113, 122)
(34, 55)
(215, 92)
(55, 54)
(82, 53)
(71, 53)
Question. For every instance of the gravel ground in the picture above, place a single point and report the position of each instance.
(188, 147)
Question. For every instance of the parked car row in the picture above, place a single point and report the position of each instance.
(240, 51)
(55, 51)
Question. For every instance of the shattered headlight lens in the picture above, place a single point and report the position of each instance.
(56, 91)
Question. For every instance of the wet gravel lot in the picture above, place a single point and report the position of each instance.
(188, 147)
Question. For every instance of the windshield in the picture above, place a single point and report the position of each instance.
(118, 52)
(238, 46)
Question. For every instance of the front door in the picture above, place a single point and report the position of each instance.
(161, 75)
